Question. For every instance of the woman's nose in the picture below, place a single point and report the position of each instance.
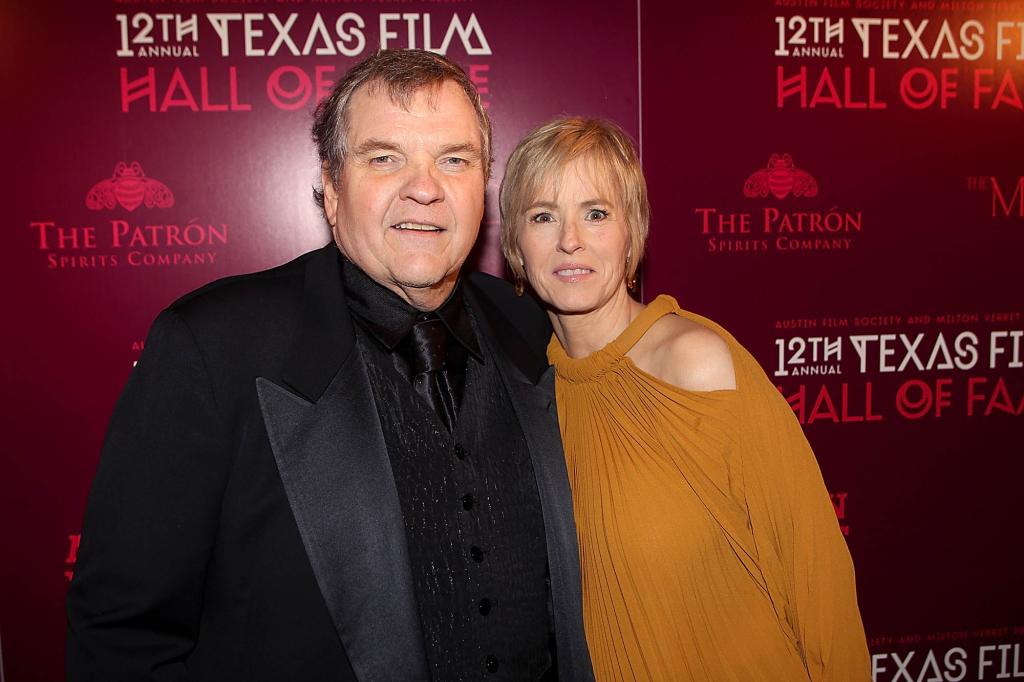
(569, 239)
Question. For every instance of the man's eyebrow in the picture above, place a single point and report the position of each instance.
(460, 148)
(374, 145)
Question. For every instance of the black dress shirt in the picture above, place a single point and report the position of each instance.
(388, 319)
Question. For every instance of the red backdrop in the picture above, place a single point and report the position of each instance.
(876, 278)
(875, 274)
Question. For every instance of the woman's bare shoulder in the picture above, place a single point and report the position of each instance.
(686, 354)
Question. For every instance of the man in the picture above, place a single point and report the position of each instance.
(347, 467)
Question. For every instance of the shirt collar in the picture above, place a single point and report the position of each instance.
(388, 318)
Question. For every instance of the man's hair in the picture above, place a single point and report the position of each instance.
(538, 160)
(401, 74)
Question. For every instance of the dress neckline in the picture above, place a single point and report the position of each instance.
(595, 365)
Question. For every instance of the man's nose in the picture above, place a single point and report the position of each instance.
(569, 237)
(422, 184)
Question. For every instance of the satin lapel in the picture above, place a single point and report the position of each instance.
(336, 473)
(531, 386)
(535, 409)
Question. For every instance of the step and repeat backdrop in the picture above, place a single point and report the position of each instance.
(154, 146)
(838, 182)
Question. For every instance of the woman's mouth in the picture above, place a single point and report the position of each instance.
(572, 272)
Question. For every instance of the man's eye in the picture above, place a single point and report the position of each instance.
(454, 161)
(382, 160)
(596, 215)
(543, 217)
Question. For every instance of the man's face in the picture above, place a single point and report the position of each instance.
(410, 197)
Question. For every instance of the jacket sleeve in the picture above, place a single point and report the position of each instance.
(150, 524)
(802, 551)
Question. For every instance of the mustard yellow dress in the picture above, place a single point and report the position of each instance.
(708, 545)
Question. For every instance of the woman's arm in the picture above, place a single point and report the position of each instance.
(800, 547)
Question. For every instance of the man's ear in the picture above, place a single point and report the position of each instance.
(330, 194)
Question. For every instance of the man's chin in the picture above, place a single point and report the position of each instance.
(425, 290)
(425, 276)
(417, 280)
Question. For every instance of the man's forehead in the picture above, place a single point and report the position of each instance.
(379, 94)
(401, 96)
(374, 111)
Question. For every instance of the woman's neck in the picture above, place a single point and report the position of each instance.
(582, 334)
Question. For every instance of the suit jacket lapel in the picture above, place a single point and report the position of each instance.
(330, 451)
(530, 383)
(535, 408)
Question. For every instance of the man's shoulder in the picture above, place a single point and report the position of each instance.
(263, 293)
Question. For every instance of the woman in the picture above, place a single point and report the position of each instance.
(708, 546)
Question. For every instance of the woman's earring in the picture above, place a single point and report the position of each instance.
(631, 279)
(519, 285)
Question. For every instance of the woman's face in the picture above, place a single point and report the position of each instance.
(574, 240)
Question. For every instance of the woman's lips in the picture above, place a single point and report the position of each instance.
(572, 272)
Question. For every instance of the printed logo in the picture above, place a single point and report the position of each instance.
(773, 227)
(839, 504)
(888, 61)
(74, 540)
(80, 243)
(909, 367)
(950, 655)
(129, 187)
(1007, 197)
(173, 62)
(781, 177)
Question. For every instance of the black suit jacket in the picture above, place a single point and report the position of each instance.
(244, 522)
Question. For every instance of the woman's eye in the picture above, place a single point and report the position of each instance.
(596, 215)
(542, 218)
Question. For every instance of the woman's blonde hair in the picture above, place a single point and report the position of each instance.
(546, 151)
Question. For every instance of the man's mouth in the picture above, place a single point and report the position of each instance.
(417, 227)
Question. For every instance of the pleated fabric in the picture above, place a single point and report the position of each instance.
(708, 545)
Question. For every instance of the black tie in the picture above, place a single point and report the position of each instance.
(429, 338)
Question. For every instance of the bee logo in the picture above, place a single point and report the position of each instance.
(129, 187)
(781, 177)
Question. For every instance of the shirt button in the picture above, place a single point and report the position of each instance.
(476, 553)
(491, 664)
(485, 607)
(468, 501)
(460, 451)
